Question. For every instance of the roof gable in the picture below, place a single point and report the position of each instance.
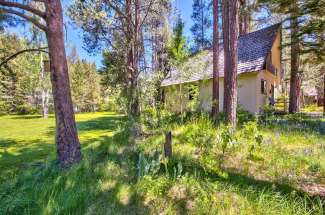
(253, 49)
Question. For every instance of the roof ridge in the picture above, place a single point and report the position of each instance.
(262, 29)
(243, 36)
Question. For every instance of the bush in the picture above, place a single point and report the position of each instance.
(25, 109)
(154, 118)
(243, 116)
(200, 132)
(253, 138)
(266, 114)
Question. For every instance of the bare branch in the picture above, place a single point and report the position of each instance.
(116, 10)
(147, 12)
(26, 17)
(23, 7)
(21, 52)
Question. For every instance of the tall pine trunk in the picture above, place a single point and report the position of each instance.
(295, 76)
(68, 145)
(215, 88)
(230, 36)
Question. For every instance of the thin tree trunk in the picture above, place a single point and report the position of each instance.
(45, 113)
(136, 51)
(133, 56)
(324, 92)
(230, 36)
(68, 145)
(202, 25)
(295, 76)
(215, 90)
(243, 18)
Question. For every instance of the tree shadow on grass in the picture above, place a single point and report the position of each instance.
(306, 124)
(102, 123)
(241, 181)
(102, 183)
(17, 156)
(108, 123)
(31, 117)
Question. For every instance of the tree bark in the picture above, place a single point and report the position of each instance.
(243, 18)
(230, 36)
(215, 88)
(68, 145)
(133, 29)
(295, 76)
(324, 91)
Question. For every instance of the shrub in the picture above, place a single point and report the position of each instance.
(266, 114)
(253, 138)
(200, 132)
(25, 109)
(244, 116)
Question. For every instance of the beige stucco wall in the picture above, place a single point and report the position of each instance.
(246, 93)
(276, 56)
(250, 96)
(176, 97)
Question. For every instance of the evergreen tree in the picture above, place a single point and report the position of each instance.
(85, 86)
(306, 36)
(18, 77)
(177, 50)
(49, 19)
(120, 27)
(202, 17)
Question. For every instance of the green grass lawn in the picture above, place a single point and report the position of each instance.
(120, 175)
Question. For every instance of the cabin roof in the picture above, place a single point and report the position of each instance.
(253, 49)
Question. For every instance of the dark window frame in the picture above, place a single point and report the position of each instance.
(191, 94)
(263, 86)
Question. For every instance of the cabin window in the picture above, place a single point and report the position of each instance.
(263, 86)
(191, 94)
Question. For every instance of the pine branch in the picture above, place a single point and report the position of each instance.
(11, 57)
(26, 17)
(23, 7)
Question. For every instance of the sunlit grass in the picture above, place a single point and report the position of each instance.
(107, 181)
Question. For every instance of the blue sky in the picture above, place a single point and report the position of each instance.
(74, 35)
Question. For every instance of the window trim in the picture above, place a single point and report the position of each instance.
(263, 86)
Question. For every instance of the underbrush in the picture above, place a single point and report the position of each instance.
(257, 169)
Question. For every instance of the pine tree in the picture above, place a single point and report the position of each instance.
(306, 27)
(201, 29)
(50, 21)
(177, 50)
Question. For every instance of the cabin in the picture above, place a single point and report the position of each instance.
(259, 75)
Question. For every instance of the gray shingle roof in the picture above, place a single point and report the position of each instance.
(253, 49)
